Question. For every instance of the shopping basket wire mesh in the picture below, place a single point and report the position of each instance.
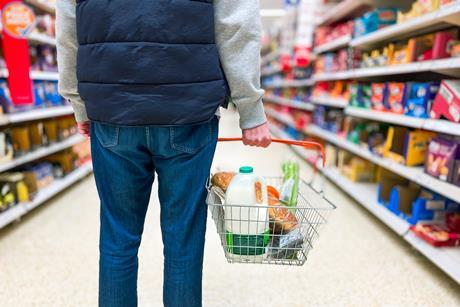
(292, 230)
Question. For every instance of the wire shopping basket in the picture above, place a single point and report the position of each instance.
(292, 230)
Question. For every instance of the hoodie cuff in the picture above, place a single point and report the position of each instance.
(79, 110)
(251, 114)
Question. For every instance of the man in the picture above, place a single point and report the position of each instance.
(150, 77)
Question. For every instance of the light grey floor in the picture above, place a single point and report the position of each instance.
(50, 257)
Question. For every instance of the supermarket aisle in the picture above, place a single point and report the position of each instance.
(357, 261)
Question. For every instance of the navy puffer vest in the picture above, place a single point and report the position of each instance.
(149, 62)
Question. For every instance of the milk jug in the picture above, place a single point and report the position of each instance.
(246, 215)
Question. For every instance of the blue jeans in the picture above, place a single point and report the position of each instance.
(125, 160)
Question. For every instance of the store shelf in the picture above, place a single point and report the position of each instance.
(41, 152)
(289, 103)
(450, 66)
(281, 117)
(415, 174)
(35, 75)
(431, 21)
(42, 39)
(329, 101)
(270, 57)
(341, 10)
(366, 195)
(267, 71)
(44, 75)
(437, 125)
(338, 43)
(290, 83)
(42, 6)
(14, 213)
(59, 185)
(35, 114)
(446, 258)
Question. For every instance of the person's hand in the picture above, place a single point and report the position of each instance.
(83, 128)
(258, 136)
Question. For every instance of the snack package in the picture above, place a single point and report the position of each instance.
(397, 92)
(286, 246)
(379, 96)
(447, 101)
(420, 98)
(290, 187)
(374, 20)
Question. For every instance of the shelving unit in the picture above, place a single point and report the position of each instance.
(289, 103)
(436, 20)
(437, 125)
(330, 101)
(270, 71)
(450, 66)
(14, 213)
(447, 259)
(338, 43)
(415, 174)
(37, 114)
(341, 11)
(42, 38)
(290, 83)
(41, 152)
(281, 117)
(35, 75)
(42, 6)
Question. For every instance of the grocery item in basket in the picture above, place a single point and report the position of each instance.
(222, 179)
(246, 218)
(282, 220)
(290, 187)
(286, 246)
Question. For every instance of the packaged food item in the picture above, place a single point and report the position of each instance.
(281, 219)
(437, 235)
(442, 157)
(246, 217)
(286, 246)
(397, 95)
(290, 187)
(447, 101)
(379, 96)
(360, 95)
(21, 140)
(16, 185)
(407, 146)
(420, 98)
(374, 20)
(6, 146)
(443, 42)
(6, 197)
(222, 179)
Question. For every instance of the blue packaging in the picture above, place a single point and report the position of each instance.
(420, 97)
(374, 20)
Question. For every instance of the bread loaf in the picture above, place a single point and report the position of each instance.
(282, 220)
(222, 179)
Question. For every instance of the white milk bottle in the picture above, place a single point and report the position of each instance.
(246, 216)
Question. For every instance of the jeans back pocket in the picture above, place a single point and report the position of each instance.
(106, 134)
(192, 138)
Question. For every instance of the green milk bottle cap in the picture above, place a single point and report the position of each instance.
(246, 170)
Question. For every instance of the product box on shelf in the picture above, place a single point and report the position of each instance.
(374, 20)
(402, 198)
(37, 134)
(397, 96)
(64, 162)
(21, 140)
(386, 181)
(6, 146)
(16, 184)
(442, 159)
(446, 233)
(7, 198)
(43, 173)
(355, 168)
(379, 96)
(420, 97)
(360, 95)
(447, 101)
(419, 7)
(406, 146)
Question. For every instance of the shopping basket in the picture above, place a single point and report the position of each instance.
(278, 246)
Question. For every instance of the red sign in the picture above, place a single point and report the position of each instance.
(17, 22)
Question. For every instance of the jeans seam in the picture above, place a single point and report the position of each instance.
(147, 135)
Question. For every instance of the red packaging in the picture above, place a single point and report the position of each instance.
(447, 101)
(436, 235)
(441, 41)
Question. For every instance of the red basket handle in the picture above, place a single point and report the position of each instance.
(306, 144)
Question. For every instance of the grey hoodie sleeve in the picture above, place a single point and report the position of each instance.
(238, 37)
(66, 38)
